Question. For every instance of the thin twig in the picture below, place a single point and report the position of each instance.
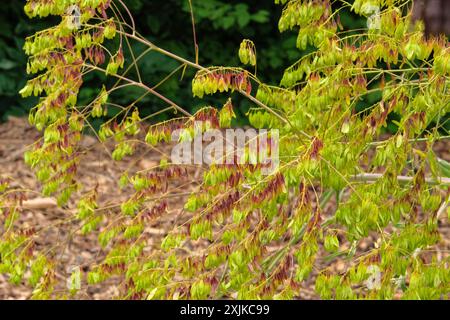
(194, 33)
(372, 177)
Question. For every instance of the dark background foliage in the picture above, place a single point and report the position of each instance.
(220, 24)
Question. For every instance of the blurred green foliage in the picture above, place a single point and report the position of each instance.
(14, 26)
(221, 25)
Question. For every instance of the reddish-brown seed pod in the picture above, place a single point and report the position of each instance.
(316, 147)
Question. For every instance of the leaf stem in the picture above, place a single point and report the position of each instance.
(372, 177)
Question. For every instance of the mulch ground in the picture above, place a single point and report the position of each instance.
(97, 171)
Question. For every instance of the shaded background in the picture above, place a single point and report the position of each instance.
(221, 25)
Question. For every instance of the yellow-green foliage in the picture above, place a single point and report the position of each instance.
(389, 188)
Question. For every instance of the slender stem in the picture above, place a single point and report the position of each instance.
(194, 33)
(150, 90)
(372, 177)
(133, 25)
(378, 143)
(199, 67)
